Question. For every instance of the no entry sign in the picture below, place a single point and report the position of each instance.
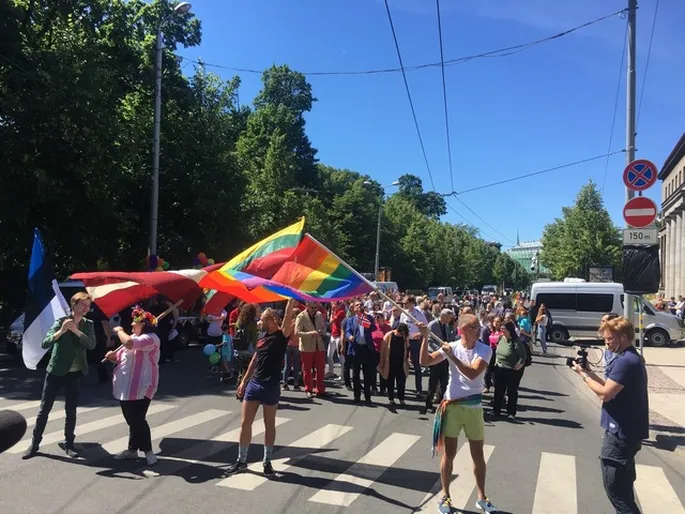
(639, 212)
(640, 175)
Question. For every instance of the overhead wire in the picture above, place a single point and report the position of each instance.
(616, 100)
(489, 236)
(406, 86)
(500, 52)
(444, 96)
(649, 53)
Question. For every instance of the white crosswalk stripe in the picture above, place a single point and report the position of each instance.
(60, 414)
(87, 428)
(197, 453)
(315, 441)
(462, 486)
(384, 455)
(556, 489)
(655, 492)
(169, 428)
(23, 406)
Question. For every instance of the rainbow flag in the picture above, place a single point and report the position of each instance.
(313, 273)
(264, 258)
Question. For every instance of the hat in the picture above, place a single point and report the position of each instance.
(140, 315)
(447, 312)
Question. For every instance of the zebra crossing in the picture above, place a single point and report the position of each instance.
(556, 487)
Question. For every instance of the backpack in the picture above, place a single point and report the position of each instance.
(240, 341)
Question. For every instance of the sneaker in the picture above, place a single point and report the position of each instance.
(445, 505)
(391, 402)
(151, 458)
(69, 450)
(126, 455)
(403, 403)
(297, 388)
(310, 395)
(268, 469)
(511, 417)
(31, 451)
(485, 505)
(330, 375)
(285, 387)
(236, 467)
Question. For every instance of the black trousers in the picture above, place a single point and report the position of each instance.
(347, 368)
(364, 360)
(71, 382)
(439, 374)
(396, 379)
(490, 372)
(507, 382)
(617, 459)
(139, 431)
(166, 349)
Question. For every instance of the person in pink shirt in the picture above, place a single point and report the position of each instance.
(493, 340)
(135, 380)
(377, 335)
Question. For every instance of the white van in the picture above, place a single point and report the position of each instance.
(446, 291)
(577, 309)
(389, 288)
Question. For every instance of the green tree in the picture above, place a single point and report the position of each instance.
(583, 237)
(430, 204)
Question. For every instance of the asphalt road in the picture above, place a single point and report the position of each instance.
(331, 456)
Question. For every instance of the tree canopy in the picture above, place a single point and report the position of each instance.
(76, 115)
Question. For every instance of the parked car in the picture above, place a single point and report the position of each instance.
(577, 309)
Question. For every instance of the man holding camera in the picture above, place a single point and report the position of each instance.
(625, 412)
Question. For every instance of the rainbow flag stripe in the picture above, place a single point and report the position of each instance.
(317, 274)
(265, 257)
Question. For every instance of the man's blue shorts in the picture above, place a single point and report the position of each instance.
(267, 393)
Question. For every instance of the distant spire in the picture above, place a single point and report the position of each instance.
(518, 243)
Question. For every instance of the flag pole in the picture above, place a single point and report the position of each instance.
(161, 316)
(367, 282)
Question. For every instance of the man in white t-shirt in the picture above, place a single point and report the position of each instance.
(462, 407)
(414, 338)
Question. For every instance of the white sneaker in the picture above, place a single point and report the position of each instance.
(126, 455)
(151, 458)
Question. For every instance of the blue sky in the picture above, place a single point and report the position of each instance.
(547, 106)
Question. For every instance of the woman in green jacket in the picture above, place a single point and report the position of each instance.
(510, 358)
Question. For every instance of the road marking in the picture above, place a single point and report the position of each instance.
(463, 484)
(198, 453)
(167, 429)
(314, 441)
(23, 406)
(87, 428)
(556, 489)
(60, 414)
(383, 456)
(655, 491)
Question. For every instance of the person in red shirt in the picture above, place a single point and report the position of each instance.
(377, 335)
(233, 318)
(338, 314)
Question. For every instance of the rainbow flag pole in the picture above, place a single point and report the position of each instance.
(370, 284)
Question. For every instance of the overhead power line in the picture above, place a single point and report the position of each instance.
(467, 222)
(444, 96)
(406, 86)
(482, 220)
(616, 99)
(500, 52)
(649, 53)
(533, 174)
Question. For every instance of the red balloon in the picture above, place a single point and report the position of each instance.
(201, 256)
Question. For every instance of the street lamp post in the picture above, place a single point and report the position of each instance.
(376, 267)
(181, 8)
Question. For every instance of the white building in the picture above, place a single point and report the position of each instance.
(672, 229)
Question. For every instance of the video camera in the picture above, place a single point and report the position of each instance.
(581, 360)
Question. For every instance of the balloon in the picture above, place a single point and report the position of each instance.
(214, 359)
(203, 261)
(153, 261)
(201, 255)
(159, 268)
(209, 349)
(210, 262)
(196, 261)
(166, 265)
(160, 261)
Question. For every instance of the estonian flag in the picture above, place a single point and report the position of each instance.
(44, 304)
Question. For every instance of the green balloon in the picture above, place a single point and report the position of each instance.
(214, 358)
(166, 265)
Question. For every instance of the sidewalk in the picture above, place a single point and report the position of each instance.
(666, 386)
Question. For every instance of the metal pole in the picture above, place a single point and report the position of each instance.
(155, 138)
(642, 332)
(629, 303)
(378, 240)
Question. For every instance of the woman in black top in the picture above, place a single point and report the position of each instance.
(394, 361)
(261, 385)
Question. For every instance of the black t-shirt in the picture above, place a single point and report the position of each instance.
(270, 353)
(627, 415)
